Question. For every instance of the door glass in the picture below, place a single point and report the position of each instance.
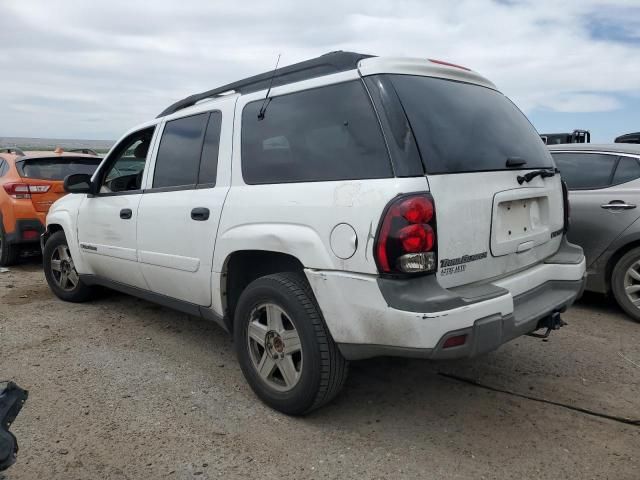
(585, 170)
(178, 157)
(124, 171)
(628, 169)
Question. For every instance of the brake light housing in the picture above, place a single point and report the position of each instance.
(406, 239)
(22, 190)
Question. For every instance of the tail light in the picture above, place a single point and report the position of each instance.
(566, 206)
(406, 240)
(24, 190)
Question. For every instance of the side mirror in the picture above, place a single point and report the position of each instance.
(78, 183)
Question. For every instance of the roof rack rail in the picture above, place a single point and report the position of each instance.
(332, 62)
(14, 150)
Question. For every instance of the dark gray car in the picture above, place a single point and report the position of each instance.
(604, 196)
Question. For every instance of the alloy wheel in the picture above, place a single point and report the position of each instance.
(62, 268)
(274, 347)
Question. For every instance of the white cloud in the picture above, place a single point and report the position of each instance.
(123, 61)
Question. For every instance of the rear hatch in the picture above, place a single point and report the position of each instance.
(475, 145)
(45, 176)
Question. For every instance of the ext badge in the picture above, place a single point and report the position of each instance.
(449, 266)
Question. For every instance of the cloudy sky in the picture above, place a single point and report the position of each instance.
(80, 69)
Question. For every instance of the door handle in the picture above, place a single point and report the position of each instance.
(126, 213)
(618, 205)
(200, 214)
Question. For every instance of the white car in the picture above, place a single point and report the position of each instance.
(337, 209)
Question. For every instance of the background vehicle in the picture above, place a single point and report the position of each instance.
(577, 136)
(628, 138)
(29, 183)
(604, 193)
(329, 211)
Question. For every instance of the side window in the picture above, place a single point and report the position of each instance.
(178, 159)
(126, 165)
(628, 169)
(209, 161)
(585, 170)
(4, 167)
(328, 133)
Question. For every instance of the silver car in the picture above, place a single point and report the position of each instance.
(604, 196)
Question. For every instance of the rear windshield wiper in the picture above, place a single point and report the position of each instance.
(527, 177)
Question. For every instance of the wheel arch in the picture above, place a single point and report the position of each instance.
(62, 221)
(615, 257)
(242, 267)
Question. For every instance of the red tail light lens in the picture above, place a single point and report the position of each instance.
(406, 241)
(24, 190)
(448, 64)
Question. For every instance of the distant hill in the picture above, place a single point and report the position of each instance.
(25, 143)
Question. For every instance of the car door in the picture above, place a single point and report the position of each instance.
(180, 210)
(107, 219)
(603, 194)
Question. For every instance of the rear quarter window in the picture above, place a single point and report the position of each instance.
(328, 133)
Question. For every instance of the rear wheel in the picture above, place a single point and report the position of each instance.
(60, 271)
(8, 253)
(284, 347)
(625, 283)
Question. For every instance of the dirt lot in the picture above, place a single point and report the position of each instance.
(121, 388)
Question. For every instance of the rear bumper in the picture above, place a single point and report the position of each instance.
(22, 226)
(371, 317)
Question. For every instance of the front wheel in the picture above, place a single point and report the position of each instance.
(60, 271)
(284, 347)
(625, 283)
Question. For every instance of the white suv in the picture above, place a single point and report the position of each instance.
(337, 209)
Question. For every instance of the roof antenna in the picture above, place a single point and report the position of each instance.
(267, 99)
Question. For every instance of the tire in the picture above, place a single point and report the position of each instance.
(626, 273)
(8, 253)
(319, 369)
(57, 267)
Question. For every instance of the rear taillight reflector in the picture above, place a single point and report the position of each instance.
(455, 341)
(406, 240)
(30, 234)
(24, 190)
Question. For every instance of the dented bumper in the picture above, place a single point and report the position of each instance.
(369, 316)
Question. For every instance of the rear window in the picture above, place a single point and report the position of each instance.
(328, 133)
(460, 127)
(56, 168)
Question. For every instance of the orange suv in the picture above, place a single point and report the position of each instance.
(29, 183)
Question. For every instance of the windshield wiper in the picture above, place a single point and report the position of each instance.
(536, 173)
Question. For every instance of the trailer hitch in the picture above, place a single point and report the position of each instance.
(12, 398)
(552, 322)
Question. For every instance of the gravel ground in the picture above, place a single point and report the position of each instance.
(121, 388)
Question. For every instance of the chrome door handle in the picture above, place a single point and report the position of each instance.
(617, 204)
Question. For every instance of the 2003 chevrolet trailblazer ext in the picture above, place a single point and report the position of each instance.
(340, 208)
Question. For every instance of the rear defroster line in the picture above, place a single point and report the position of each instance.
(627, 421)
